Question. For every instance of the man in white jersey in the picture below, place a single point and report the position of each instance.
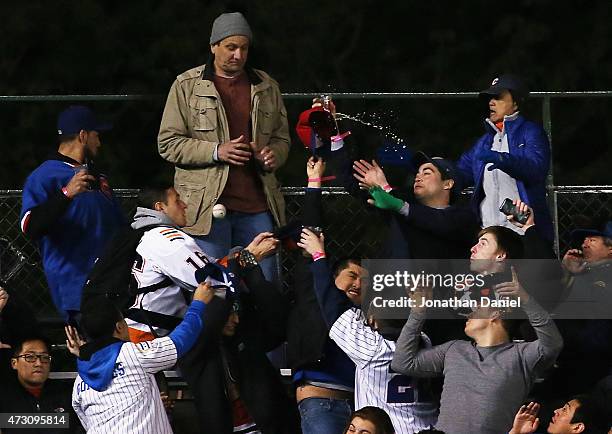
(410, 408)
(115, 391)
(165, 254)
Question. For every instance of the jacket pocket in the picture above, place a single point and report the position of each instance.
(192, 195)
(266, 115)
(204, 112)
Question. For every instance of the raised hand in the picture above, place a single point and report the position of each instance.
(263, 245)
(523, 208)
(311, 243)
(418, 296)
(369, 174)
(526, 420)
(73, 340)
(315, 168)
(204, 293)
(512, 289)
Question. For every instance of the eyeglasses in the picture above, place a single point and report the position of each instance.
(31, 358)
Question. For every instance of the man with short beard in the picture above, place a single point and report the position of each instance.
(69, 209)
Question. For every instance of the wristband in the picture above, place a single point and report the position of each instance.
(339, 137)
(317, 255)
(325, 178)
(65, 192)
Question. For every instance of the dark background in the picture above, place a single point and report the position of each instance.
(138, 47)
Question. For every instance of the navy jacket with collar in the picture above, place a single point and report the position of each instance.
(527, 161)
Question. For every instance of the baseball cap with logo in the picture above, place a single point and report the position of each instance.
(446, 168)
(79, 117)
(509, 82)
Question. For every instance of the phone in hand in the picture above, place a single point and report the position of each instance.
(508, 208)
(314, 229)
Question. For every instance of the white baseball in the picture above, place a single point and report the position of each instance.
(219, 211)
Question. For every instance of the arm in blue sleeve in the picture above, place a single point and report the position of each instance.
(186, 333)
(331, 301)
(464, 168)
(533, 163)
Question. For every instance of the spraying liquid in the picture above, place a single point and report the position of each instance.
(362, 118)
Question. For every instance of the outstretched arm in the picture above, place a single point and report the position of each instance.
(541, 353)
(408, 358)
(331, 301)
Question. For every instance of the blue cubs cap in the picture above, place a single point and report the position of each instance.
(510, 82)
(79, 117)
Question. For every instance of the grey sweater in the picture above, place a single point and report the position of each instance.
(483, 386)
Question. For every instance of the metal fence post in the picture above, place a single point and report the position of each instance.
(550, 183)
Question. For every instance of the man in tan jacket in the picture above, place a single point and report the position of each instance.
(225, 129)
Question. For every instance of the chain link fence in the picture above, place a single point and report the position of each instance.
(352, 228)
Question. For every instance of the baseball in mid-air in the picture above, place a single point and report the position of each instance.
(219, 211)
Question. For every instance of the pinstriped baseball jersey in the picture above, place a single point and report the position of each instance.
(375, 383)
(131, 403)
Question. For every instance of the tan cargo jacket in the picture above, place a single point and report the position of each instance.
(194, 123)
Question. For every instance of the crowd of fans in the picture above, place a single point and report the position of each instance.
(201, 291)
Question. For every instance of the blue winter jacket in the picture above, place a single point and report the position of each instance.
(527, 162)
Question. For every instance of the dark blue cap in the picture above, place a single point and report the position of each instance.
(446, 167)
(79, 117)
(604, 229)
(509, 82)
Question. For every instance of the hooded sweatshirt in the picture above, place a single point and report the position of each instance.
(150, 217)
(116, 389)
(166, 252)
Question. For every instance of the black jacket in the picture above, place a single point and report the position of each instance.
(261, 329)
(53, 399)
(431, 233)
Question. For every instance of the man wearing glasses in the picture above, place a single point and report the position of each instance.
(28, 392)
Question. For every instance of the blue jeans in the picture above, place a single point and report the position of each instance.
(324, 415)
(238, 229)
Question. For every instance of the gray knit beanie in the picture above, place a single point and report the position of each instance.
(230, 24)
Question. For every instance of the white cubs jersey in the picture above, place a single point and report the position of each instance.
(375, 384)
(131, 403)
(166, 252)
